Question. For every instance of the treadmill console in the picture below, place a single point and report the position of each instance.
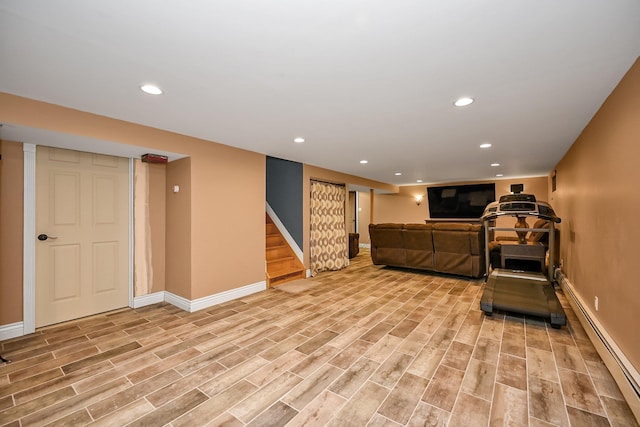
(519, 205)
(517, 198)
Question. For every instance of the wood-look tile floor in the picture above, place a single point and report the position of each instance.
(366, 346)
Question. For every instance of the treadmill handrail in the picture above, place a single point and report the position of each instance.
(494, 215)
(536, 230)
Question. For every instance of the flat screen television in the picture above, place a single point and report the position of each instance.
(460, 201)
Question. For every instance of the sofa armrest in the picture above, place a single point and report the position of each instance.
(387, 244)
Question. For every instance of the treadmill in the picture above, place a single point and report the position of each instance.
(518, 291)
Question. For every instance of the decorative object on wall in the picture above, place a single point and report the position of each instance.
(328, 234)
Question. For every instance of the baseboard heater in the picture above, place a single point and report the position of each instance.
(623, 372)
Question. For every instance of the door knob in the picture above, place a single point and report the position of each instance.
(43, 237)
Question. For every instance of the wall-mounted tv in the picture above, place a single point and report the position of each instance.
(460, 201)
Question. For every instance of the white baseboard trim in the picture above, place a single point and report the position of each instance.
(11, 330)
(14, 330)
(148, 299)
(624, 373)
(308, 273)
(364, 245)
(180, 302)
(211, 300)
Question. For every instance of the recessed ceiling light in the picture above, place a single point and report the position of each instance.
(364, 162)
(398, 173)
(419, 180)
(499, 174)
(485, 145)
(463, 102)
(151, 89)
(494, 165)
(298, 140)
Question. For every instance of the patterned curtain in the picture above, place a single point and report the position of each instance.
(328, 241)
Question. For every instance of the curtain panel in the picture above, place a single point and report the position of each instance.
(328, 239)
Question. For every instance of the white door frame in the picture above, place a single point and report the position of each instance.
(29, 241)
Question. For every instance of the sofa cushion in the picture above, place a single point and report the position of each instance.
(451, 238)
(387, 244)
(453, 226)
(454, 263)
(418, 243)
(459, 248)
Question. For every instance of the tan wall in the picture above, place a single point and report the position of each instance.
(598, 199)
(157, 223)
(178, 232)
(11, 225)
(227, 219)
(401, 207)
(227, 193)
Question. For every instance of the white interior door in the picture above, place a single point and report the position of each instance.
(82, 231)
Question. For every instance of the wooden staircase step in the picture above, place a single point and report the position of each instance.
(274, 272)
(277, 252)
(282, 263)
(275, 240)
(278, 278)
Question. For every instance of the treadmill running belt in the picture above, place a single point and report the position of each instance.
(522, 296)
(522, 293)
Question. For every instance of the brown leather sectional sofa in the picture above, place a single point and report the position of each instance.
(443, 247)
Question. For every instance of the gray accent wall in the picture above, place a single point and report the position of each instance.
(284, 194)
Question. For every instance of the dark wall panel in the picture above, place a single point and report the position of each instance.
(284, 194)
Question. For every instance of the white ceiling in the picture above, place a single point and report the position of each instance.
(358, 79)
